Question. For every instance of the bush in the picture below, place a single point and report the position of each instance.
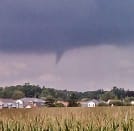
(127, 104)
(73, 104)
(59, 105)
(102, 104)
(116, 103)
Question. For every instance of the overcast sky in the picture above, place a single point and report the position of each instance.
(67, 44)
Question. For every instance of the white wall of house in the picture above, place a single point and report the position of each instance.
(91, 104)
(132, 102)
(19, 104)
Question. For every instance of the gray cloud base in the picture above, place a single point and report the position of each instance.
(49, 26)
(80, 69)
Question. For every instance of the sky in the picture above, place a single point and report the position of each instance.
(76, 45)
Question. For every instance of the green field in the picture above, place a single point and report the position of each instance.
(68, 119)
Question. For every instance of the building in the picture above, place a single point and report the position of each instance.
(132, 103)
(7, 103)
(91, 103)
(32, 102)
(19, 104)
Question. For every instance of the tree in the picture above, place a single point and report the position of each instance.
(18, 94)
(59, 105)
(108, 95)
(31, 90)
(119, 92)
(116, 103)
(50, 102)
(73, 101)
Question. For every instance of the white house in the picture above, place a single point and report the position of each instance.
(132, 103)
(91, 103)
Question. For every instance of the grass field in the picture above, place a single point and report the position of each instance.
(68, 119)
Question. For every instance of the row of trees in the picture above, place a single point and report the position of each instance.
(72, 102)
(28, 90)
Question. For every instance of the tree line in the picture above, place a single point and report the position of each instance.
(29, 90)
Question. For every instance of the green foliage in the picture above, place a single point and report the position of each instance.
(119, 92)
(128, 99)
(17, 94)
(29, 90)
(116, 103)
(73, 101)
(127, 104)
(103, 104)
(108, 95)
(50, 102)
(59, 105)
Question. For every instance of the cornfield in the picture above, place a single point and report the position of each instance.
(68, 119)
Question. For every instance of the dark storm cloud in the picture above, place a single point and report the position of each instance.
(44, 26)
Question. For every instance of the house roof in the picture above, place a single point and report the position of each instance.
(27, 99)
(94, 100)
(6, 101)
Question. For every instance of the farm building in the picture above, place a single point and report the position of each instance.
(21, 103)
(33, 102)
(7, 103)
(91, 103)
